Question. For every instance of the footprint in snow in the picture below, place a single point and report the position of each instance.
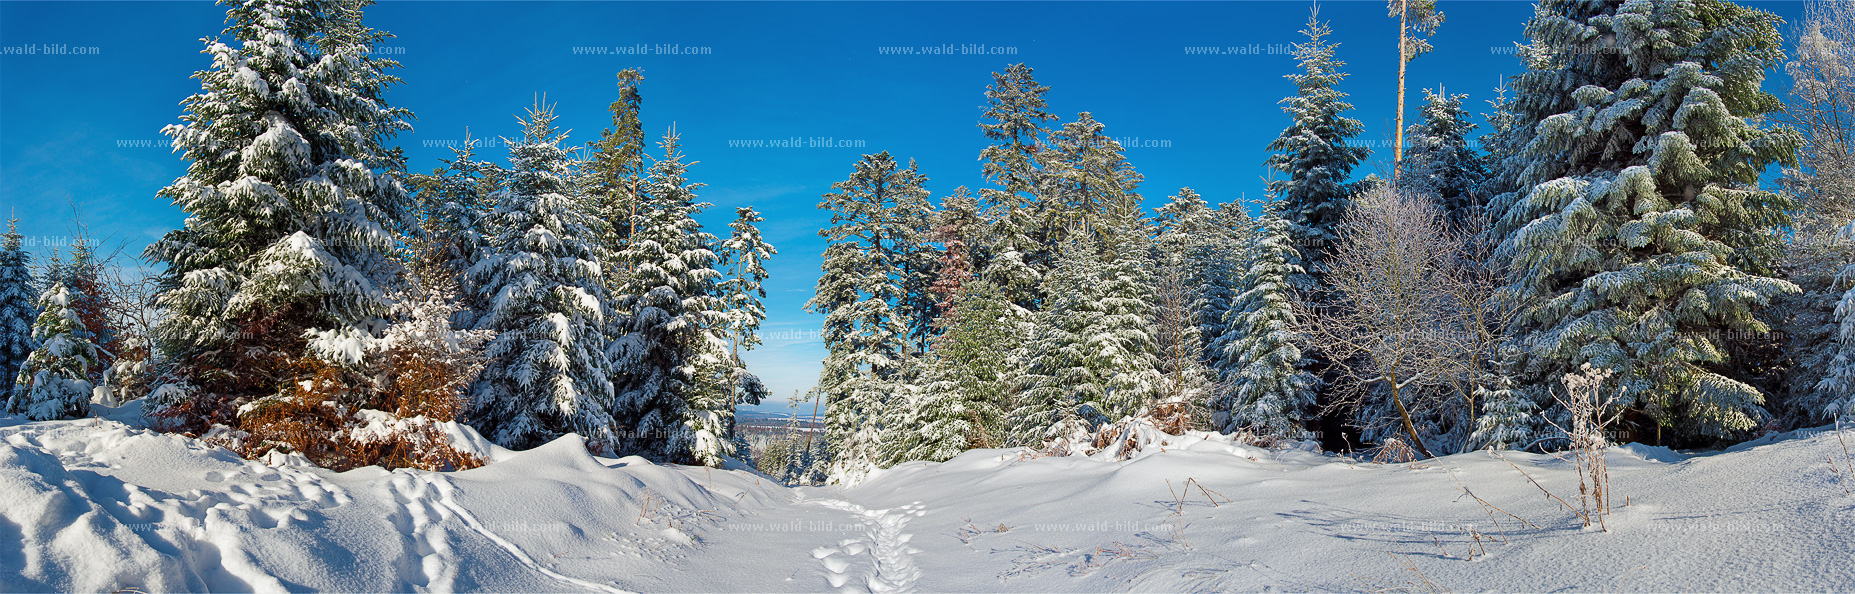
(891, 566)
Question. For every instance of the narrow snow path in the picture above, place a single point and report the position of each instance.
(891, 566)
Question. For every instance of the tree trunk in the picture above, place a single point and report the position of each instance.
(1409, 427)
(1397, 148)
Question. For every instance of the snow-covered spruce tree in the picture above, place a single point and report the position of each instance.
(744, 255)
(1086, 178)
(674, 325)
(17, 304)
(287, 166)
(1063, 371)
(54, 382)
(1018, 256)
(1223, 254)
(544, 291)
(84, 278)
(1312, 153)
(861, 294)
(1124, 333)
(1641, 242)
(1268, 389)
(1440, 163)
(965, 379)
(455, 201)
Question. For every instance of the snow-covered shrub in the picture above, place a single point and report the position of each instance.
(363, 401)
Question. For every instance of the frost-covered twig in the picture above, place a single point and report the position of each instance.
(1489, 507)
(1542, 489)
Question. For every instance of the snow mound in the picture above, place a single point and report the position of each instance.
(99, 505)
(1655, 453)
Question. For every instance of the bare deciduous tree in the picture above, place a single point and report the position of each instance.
(131, 309)
(1472, 282)
(1822, 106)
(1392, 317)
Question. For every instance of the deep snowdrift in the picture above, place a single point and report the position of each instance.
(101, 506)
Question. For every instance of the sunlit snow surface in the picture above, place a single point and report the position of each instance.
(100, 506)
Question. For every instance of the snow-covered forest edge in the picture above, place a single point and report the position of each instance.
(1599, 336)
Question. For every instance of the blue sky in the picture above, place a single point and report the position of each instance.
(89, 85)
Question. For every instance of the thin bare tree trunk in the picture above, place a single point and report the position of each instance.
(1404, 59)
(1410, 428)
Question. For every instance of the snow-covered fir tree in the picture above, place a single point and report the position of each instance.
(1123, 334)
(1014, 122)
(1508, 418)
(1639, 239)
(967, 384)
(54, 382)
(456, 202)
(1063, 371)
(84, 277)
(1222, 255)
(1267, 387)
(1210, 244)
(1018, 256)
(1086, 178)
(544, 291)
(1185, 215)
(674, 325)
(1313, 155)
(17, 303)
(744, 255)
(1439, 161)
(286, 163)
(1092, 358)
(863, 293)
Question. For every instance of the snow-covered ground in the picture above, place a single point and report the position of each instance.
(98, 505)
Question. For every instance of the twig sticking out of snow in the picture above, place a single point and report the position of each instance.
(1489, 507)
(1178, 513)
(1841, 475)
(1422, 582)
(970, 530)
(1542, 488)
(1208, 494)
